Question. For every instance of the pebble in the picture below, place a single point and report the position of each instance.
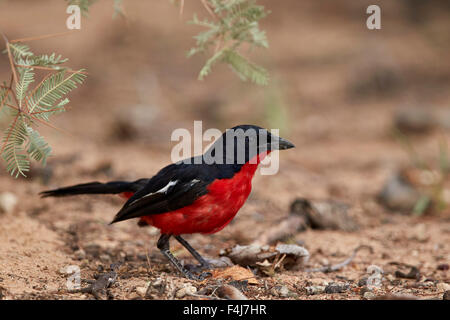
(7, 202)
(336, 288)
(84, 263)
(134, 296)
(105, 258)
(284, 291)
(158, 283)
(142, 270)
(369, 295)
(312, 290)
(141, 291)
(414, 120)
(230, 292)
(80, 254)
(391, 277)
(186, 290)
(398, 194)
(442, 286)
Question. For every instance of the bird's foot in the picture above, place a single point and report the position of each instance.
(193, 268)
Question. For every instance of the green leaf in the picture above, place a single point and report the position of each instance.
(210, 63)
(54, 88)
(19, 50)
(83, 4)
(51, 61)
(237, 23)
(58, 108)
(38, 148)
(26, 77)
(118, 10)
(17, 162)
(21, 142)
(246, 69)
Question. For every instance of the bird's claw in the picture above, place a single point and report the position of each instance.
(202, 276)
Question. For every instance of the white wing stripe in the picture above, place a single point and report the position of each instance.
(162, 190)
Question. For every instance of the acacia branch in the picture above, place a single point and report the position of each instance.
(11, 61)
(51, 69)
(45, 36)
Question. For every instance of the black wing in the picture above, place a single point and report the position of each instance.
(174, 187)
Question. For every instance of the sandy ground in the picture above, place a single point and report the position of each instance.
(340, 121)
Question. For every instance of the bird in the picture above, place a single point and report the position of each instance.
(201, 194)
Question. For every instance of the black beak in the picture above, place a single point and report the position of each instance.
(285, 144)
(281, 144)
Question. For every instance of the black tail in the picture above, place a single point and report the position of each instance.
(112, 187)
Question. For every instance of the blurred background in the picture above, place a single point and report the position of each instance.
(368, 111)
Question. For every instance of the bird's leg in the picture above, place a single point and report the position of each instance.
(204, 265)
(164, 246)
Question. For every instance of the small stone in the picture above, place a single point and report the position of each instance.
(284, 291)
(369, 295)
(80, 254)
(442, 286)
(7, 202)
(412, 274)
(157, 283)
(134, 296)
(312, 290)
(142, 270)
(141, 291)
(414, 119)
(364, 290)
(336, 288)
(391, 277)
(230, 292)
(105, 258)
(398, 193)
(221, 262)
(186, 290)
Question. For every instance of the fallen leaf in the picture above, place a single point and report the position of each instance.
(236, 273)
